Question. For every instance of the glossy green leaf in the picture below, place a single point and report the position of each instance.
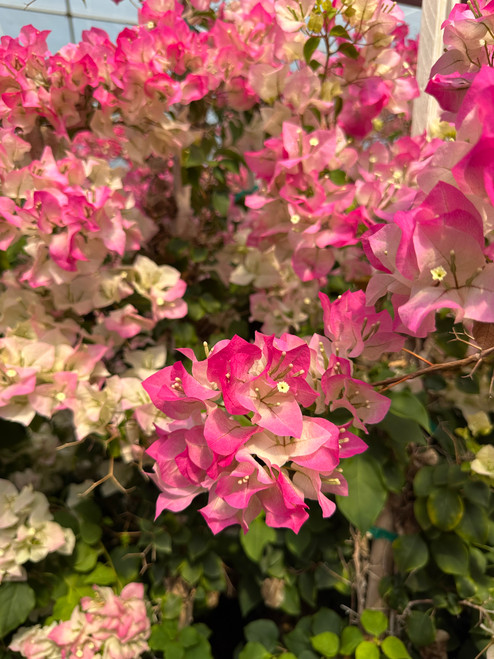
(298, 543)
(420, 628)
(348, 50)
(374, 622)
(326, 620)
(406, 404)
(351, 637)
(90, 532)
(445, 508)
(422, 483)
(450, 553)
(367, 494)
(421, 514)
(477, 492)
(410, 552)
(257, 538)
(465, 586)
(221, 203)
(339, 31)
(86, 557)
(326, 643)
(393, 648)
(17, 600)
(474, 525)
(310, 48)
(254, 651)
(102, 575)
(262, 631)
(367, 650)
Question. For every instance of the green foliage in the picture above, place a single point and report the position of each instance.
(257, 538)
(393, 648)
(374, 622)
(17, 600)
(326, 643)
(367, 493)
(420, 629)
(410, 552)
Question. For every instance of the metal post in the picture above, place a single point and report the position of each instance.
(434, 12)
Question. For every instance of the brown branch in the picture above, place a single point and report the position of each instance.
(443, 366)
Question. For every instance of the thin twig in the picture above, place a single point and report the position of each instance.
(443, 366)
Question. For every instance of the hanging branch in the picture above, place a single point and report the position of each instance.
(477, 358)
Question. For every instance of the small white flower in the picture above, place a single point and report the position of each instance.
(439, 273)
(283, 387)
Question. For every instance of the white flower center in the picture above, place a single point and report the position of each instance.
(283, 387)
(439, 273)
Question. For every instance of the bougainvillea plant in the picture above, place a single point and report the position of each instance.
(222, 257)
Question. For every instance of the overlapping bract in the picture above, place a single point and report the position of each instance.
(106, 625)
(242, 428)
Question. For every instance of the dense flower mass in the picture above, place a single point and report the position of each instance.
(27, 531)
(241, 428)
(240, 175)
(106, 625)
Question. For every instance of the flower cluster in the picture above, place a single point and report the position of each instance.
(105, 625)
(243, 428)
(27, 531)
(438, 252)
(469, 41)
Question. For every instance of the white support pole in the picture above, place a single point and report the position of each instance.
(434, 12)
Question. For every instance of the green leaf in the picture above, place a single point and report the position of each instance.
(64, 606)
(291, 600)
(374, 622)
(394, 648)
(191, 572)
(410, 552)
(348, 50)
(221, 203)
(297, 543)
(310, 47)
(465, 586)
(367, 494)
(450, 553)
(90, 532)
(162, 634)
(421, 514)
(102, 575)
(477, 492)
(326, 620)
(474, 525)
(257, 538)
(338, 177)
(163, 542)
(17, 600)
(326, 643)
(406, 405)
(254, 651)
(126, 563)
(448, 474)
(262, 631)
(367, 650)
(403, 431)
(420, 628)
(422, 483)
(445, 508)
(86, 557)
(248, 594)
(351, 637)
(339, 31)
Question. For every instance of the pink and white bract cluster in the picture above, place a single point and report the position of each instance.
(242, 424)
(105, 625)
